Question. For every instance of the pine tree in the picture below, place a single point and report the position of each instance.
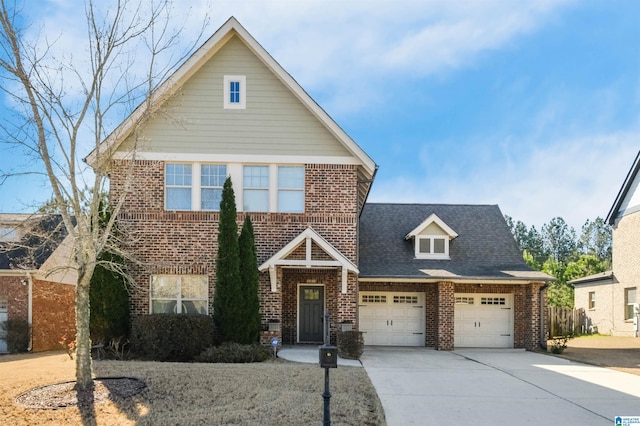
(249, 282)
(227, 302)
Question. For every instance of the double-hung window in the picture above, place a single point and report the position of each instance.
(179, 294)
(212, 177)
(629, 303)
(291, 189)
(178, 186)
(256, 188)
(592, 300)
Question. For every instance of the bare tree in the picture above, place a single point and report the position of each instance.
(65, 104)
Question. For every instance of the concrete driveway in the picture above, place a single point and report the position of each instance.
(419, 386)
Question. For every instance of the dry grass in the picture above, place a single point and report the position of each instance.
(270, 393)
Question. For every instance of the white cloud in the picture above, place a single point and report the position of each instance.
(576, 178)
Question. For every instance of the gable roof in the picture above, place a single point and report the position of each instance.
(628, 183)
(41, 237)
(484, 249)
(309, 237)
(228, 30)
(433, 218)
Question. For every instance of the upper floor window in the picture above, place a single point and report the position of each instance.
(178, 183)
(235, 91)
(291, 189)
(432, 238)
(179, 294)
(256, 188)
(212, 177)
(630, 301)
(432, 245)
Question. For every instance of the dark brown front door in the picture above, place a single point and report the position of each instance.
(311, 313)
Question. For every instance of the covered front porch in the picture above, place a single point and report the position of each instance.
(299, 283)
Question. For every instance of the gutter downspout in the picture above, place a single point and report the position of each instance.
(543, 337)
(30, 310)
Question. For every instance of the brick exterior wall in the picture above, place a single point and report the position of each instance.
(53, 309)
(185, 242)
(440, 309)
(626, 268)
(53, 314)
(17, 295)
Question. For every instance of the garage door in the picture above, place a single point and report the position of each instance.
(393, 319)
(483, 320)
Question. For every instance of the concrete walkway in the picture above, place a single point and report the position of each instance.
(419, 386)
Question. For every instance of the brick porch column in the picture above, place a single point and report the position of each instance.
(446, 302)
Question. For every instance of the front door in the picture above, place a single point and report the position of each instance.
(311, 314)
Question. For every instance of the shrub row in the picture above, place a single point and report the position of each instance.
(235, 353)
(171, 337)
(17, 334)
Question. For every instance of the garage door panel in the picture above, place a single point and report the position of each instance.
(483, 320)
(392, 318)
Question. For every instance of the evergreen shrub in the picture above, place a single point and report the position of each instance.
(171, 337)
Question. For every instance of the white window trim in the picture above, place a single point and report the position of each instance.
(236, 172)
(179, 298)
(432, 255)
(278, 188)
(243, 92)
(270, 199)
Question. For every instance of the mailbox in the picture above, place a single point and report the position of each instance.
(328, 356)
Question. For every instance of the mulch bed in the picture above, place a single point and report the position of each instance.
(62, 395)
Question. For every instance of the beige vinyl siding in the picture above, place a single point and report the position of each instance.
(274, 122)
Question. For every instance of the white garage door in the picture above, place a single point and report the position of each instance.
(483, 321)
(392, 319)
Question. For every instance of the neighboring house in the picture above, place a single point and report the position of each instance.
(610, 299)
(34, 285)
(232, 110)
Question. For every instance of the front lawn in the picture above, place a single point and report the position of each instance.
(270, 393)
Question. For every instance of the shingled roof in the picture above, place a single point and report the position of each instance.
(483, 249)
(35, 247)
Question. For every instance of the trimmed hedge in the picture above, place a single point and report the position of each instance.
(350, 344)
(171, 337)
(17, 333)
(235, 353)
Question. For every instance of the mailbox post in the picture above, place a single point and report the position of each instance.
(328, 359)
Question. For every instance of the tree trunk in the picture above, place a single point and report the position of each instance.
(84, 379)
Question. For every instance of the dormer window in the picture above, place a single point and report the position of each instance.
(431, 239)
(235, 92)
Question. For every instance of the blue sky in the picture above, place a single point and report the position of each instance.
(534, 106)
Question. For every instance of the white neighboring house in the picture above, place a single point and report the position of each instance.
(611, 299)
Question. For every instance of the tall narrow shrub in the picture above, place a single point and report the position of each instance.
(249, 282)
(227, 302)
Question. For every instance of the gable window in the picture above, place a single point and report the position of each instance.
(630, 300)
(179, 294)
(178, 186)
(212, 177)
(256, 188)
(235, 91)
(291, 189)
(429, 246)
(592, 300)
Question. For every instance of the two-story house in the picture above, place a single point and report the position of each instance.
(611, 299)
(232, 110)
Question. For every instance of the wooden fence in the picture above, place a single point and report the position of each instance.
(564, 321)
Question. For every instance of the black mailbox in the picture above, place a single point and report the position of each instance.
(328, 356)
